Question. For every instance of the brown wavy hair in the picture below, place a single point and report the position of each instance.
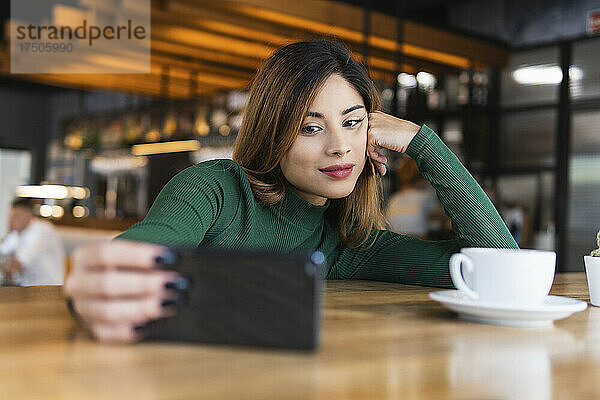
(280, 94)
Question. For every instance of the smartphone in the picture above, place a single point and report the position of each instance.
(246, 297)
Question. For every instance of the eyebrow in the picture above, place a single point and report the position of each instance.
(346, 111)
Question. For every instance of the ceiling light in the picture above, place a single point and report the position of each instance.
(547, 74)
(407, 80)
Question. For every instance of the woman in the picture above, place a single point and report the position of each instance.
(305, 174)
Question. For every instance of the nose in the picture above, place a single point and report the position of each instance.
(338, 144)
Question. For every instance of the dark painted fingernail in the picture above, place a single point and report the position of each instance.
(167, 257)
(167, 303)
(180, 283)
(178, 301)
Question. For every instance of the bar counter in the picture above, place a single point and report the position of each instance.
(378, 341)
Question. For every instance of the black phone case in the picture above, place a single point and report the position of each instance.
(246, 297)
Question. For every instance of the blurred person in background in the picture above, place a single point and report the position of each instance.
(32, 249)
(414, 209)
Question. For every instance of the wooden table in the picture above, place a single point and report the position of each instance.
(379, 341)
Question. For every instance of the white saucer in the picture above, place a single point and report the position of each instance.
(553, 308)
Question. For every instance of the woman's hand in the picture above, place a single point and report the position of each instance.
(117, 286)
(388, 132)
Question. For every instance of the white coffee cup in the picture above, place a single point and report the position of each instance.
(508, 276)
(592, 271)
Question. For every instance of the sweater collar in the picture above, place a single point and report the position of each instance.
(300, 211)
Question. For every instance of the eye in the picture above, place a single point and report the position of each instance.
(352, 123)
(310, 129)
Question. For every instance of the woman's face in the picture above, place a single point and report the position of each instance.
(333, 135)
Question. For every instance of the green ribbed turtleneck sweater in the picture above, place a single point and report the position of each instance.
(211, 204)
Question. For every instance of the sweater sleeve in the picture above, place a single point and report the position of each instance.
(199, 198)
(475, 221)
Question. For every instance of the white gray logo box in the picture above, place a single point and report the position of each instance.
(80, 36)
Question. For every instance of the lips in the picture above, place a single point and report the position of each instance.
(336, 167)
(338, 171)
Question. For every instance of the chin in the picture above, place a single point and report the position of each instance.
(340, 193)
